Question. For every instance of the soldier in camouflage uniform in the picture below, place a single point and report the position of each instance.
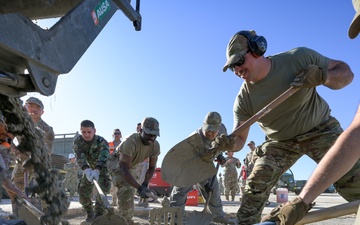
(132, 151)
(113, 145)
(230, 175)
(249, 159)
(91, 152)
(35, 108)
(70, 181)
(221, 186)
(341, 157)
(301, 125)
(209, 131)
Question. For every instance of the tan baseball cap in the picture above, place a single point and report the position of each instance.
(35, 101)
(354, 28)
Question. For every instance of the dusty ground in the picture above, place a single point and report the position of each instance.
(75, 216)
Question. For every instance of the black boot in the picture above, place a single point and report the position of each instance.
(89, 216)
(97, 214)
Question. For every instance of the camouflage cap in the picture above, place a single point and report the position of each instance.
(151, 126)
(251, 143)
(35, 101)
(354, 28)
(117, 130)
(237, 48)
(212, 121)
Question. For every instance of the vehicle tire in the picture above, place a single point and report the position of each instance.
(273, 190)
(151, 199)
(297, 192)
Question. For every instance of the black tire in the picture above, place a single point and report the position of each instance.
(151, 199)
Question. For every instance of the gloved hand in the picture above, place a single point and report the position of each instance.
(288, 213)
(207, 187)
(223, 143)
(95, 174)
(88, 173)
(310, 76)
(146, 184)
(143, 190)
(221, 159)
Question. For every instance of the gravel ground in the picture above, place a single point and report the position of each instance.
(75, 213)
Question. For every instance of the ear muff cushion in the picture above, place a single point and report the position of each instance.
(257, 44)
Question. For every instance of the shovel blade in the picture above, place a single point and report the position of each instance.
(198, 218)
(183, 165)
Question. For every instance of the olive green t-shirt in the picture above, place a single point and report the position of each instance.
(296, 115)
(132, 146)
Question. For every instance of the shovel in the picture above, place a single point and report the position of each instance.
(109, 218)
(187, 163)
(28, 212)
(204, 217)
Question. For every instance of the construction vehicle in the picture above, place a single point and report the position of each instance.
(32, 58)
(287, 181)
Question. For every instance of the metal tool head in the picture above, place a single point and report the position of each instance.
(184, 165)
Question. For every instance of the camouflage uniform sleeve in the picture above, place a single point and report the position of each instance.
(48, 132)
(66, 166)
(80, 153)
(103, 147)
(49, 138)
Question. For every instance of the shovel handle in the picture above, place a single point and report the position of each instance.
(277, 101)
(102, 195)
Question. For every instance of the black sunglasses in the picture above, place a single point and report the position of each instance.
(238, 63)
(116, 133)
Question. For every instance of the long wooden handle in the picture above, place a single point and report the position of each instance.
(331, 212)
(277, 101)
(102, 195)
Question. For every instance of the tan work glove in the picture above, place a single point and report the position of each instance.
(288, 213)
(310, 76)
(223, 143)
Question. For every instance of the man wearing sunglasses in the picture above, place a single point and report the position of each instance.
(341, 157)
(134, 149)
(301, 125)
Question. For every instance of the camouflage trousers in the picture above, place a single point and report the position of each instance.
(231, 185)
(85, 191)
(276, 157)
(113, 192)
(70, 184)
(179, 196)
(125, 194)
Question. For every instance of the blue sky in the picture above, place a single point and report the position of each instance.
(172, 68)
